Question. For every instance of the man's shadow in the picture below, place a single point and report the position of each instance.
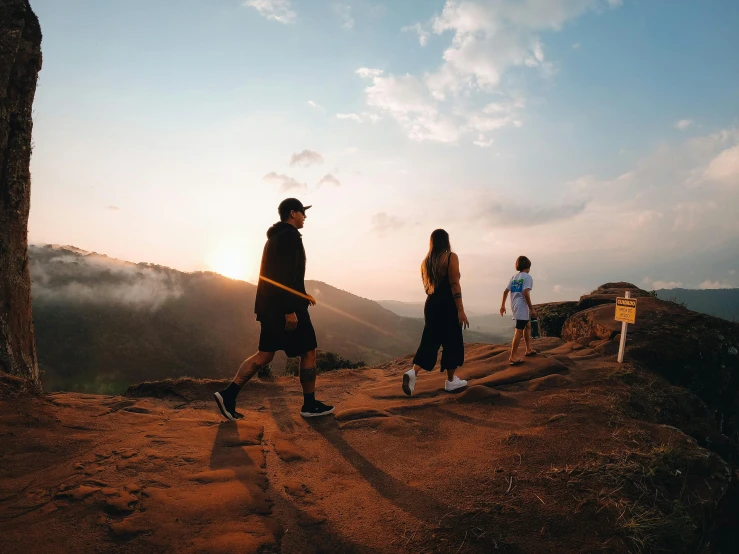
(228, 453)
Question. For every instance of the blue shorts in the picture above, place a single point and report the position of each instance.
(521, 324)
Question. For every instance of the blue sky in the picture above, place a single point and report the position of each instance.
(598, 137)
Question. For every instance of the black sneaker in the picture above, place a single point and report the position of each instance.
(226, 404)
(317, 409)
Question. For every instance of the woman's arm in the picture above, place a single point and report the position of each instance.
(454, 277)
(502, 304)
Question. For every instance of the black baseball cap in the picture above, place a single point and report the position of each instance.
(290, 205)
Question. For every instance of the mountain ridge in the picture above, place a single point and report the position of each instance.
(103, 324)
(723, 303)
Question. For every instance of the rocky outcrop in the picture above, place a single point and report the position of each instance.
(689, 349)
(552, 316)
(20, 63)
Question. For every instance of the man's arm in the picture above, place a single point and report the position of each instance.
(454, 277)
(286, 269)
(502, 304)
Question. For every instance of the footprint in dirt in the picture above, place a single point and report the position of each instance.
(308, 514)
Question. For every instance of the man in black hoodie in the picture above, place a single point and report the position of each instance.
(282, 309)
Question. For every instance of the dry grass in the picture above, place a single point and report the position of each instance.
(644, 490)
(510, 439)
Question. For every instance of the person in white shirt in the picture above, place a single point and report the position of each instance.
(520, 287)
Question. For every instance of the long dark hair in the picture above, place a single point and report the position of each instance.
(433, 262)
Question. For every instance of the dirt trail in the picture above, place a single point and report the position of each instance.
(488, 469)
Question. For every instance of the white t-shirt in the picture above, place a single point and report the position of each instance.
(519, 283)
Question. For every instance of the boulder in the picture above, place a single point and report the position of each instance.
(552, 317)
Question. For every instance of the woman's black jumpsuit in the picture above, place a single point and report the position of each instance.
(442, 330)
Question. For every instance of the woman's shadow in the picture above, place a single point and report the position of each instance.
(415, 502)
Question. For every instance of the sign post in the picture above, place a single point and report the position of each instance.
(625, 313)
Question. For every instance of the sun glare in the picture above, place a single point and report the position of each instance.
(233, 258)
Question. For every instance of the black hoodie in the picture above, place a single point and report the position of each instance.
(283, 261)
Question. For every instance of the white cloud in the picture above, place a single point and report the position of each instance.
(316, 105)
(360, 118)
(482, 143)
(732, 272)
(423, 34)
(657, 285)
(365, 72)
(647, 217)
(276, 10)
(708, 284)
(689, 215)
(557, 289)
(496, 115)
(576, 46)
(329, 179)
(112, 208)
(382, 223)
(344, 12)
(404, 94)
(494, 213)
(371, 117)
(683, 124)
(350, 116)
(306, 158)
(488, 39)
(492, 37)
(67, 274)
(286, 183)
(724, 168)
(407, 100)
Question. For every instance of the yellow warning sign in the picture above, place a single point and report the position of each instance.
(626, 310)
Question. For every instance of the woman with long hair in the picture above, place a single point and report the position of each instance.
(443, 313)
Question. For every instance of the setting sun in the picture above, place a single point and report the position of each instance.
(233, 258)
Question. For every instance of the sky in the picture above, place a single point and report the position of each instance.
(600, 138)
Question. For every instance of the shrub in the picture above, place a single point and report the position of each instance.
(325, 361)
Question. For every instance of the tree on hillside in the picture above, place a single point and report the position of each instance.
(20, 63)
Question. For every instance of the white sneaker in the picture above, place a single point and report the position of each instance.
(454, 384)
(409, 381)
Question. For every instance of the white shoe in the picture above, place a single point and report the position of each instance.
(454, 384)
(409, 381)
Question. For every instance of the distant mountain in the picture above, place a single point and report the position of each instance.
(405, 309)
(103, 324)
(722, 303)
(501, 328)
(494, 325)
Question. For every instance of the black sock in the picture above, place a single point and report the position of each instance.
(309, 398)
(232, 389)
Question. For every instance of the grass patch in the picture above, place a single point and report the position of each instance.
(645, 491)
(510, 439)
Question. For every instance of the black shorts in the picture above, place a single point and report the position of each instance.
(274, 337)
(521, 324)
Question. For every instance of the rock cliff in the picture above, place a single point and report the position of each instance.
(20, 63)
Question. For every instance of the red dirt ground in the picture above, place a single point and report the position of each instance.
(509, 465)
